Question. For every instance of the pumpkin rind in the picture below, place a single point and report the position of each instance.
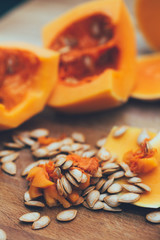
(41, 85)
(111, 87)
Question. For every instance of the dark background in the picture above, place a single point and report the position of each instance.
(7, 5)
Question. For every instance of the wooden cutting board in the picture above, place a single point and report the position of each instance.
(88, 225)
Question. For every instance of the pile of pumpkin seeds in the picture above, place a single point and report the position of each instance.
(106, 191)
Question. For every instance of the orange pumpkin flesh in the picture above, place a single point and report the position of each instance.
(128, 142)
(148, 18)
(147, 85)
(97, 46)
(27, 75)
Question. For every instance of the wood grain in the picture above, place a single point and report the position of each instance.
(128, 225)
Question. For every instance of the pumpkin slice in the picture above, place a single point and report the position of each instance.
(147, 78)
(27, 75)
(97, 62)
(148, 18)
(128, 142)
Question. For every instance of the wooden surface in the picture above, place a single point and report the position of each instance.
(24, 24)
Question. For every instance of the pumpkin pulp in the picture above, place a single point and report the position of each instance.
(17, 69)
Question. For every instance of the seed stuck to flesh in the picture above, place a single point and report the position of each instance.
(3, 235)
(92, 197)
(41, 223)
(142, 137)
(34, 204)
(132, 188)
(119, 131)
(67, 215)
(103, 154)
(100, 142)
(37, 133)
(153, 217)
(10, 157)
(9, 167)
(78, 137)
(112, 200)
(115, 188)
(30, 217)
(129, 198)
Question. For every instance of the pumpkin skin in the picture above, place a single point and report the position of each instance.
(120, 146)
(148, 19)
(147, 85)
(25, 91)
(110, 82)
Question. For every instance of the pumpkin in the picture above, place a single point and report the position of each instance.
(148, 19)
(97, 46)
(27, 75)
(147, 85)
(128, 142)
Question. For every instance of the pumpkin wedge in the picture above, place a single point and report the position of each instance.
(27, 75)
(147, 85)
(97, 46)
(148, 19)
(128, 142)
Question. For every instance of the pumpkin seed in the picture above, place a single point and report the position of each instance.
(100, 183)
(115, 188)
(71, 80)
(57, 171)
(30, 217)
(35, 146)
(129, 198)
(103, 154)
(66, 148)
(102, 196)
(35, 204)
(17, 141)
(92, 197)
(109, 170)
(119, 131)
(85, 147)
(41, 223)
(107, 184)
(26, 140)
(132, 188)
(79, 201)
(112, 159)
(124, 166)
(64, 50)
(117, 175)
(153, 217)
(143, 186)
(10, 158)
(12, 145)
(60, 187)
(67, 215)
(4, 153)
(84, 178)
(135, 180)
(77, 174)
(98, 173)
(66, 185)
(130, 174)
(71, 179)
(54, 146)
(40, 132)
(78, 137)
(107, 165)
(67, 141)
(27, 196)
(40, 152)
(112, 200)
(106, 207)
(67, 164)
(60, 161)
(98, 205)
(32, 165)
(94, 180)
(76, 147)
(154, 142)
(89, 153)
(85, 204)
(53, 153)
(88, 190)
(3, 235)
(142, 137)
(101, 142)
(9, 167)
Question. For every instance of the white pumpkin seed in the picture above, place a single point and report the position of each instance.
(78, 137)
(3, 235)
(88, 190)
(76, 147)
(130, 174)
(77, 174)
(109, 170)
(98, 205)
(103, 154)
(101, 142)
(115, 188)
(119, 131)
(41, 152)
(35, 146)
(60, 187)
(89, 153)
(34, 204)
(135, 180)
(129, 198)
(9, 167)
(142, 137)
(85, 204)
(57, 171)
(60, 161)
(143, 186)
(107, 165)
(67, 141)
(17, 141)
(106, 207)
(85, 147)
(26, 140)
(40, 132)
(12, 145)
(66, 185)
(112, 200)
(67, 164)
(100, 183)
(53, 153)
(41, 222)
(84, 178)
(30, 217)
(71, 179)
(102, 196)
(153, 217)
(107, 184)
(117, 175)
(67, 215)
(66, 148)
(5, 153)
(98, 173)
(124, 166)
(154, 142)
(64, 49)
(10, 158)
(27, 196)
(92, 197)
(132, 188)
(54, 146)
